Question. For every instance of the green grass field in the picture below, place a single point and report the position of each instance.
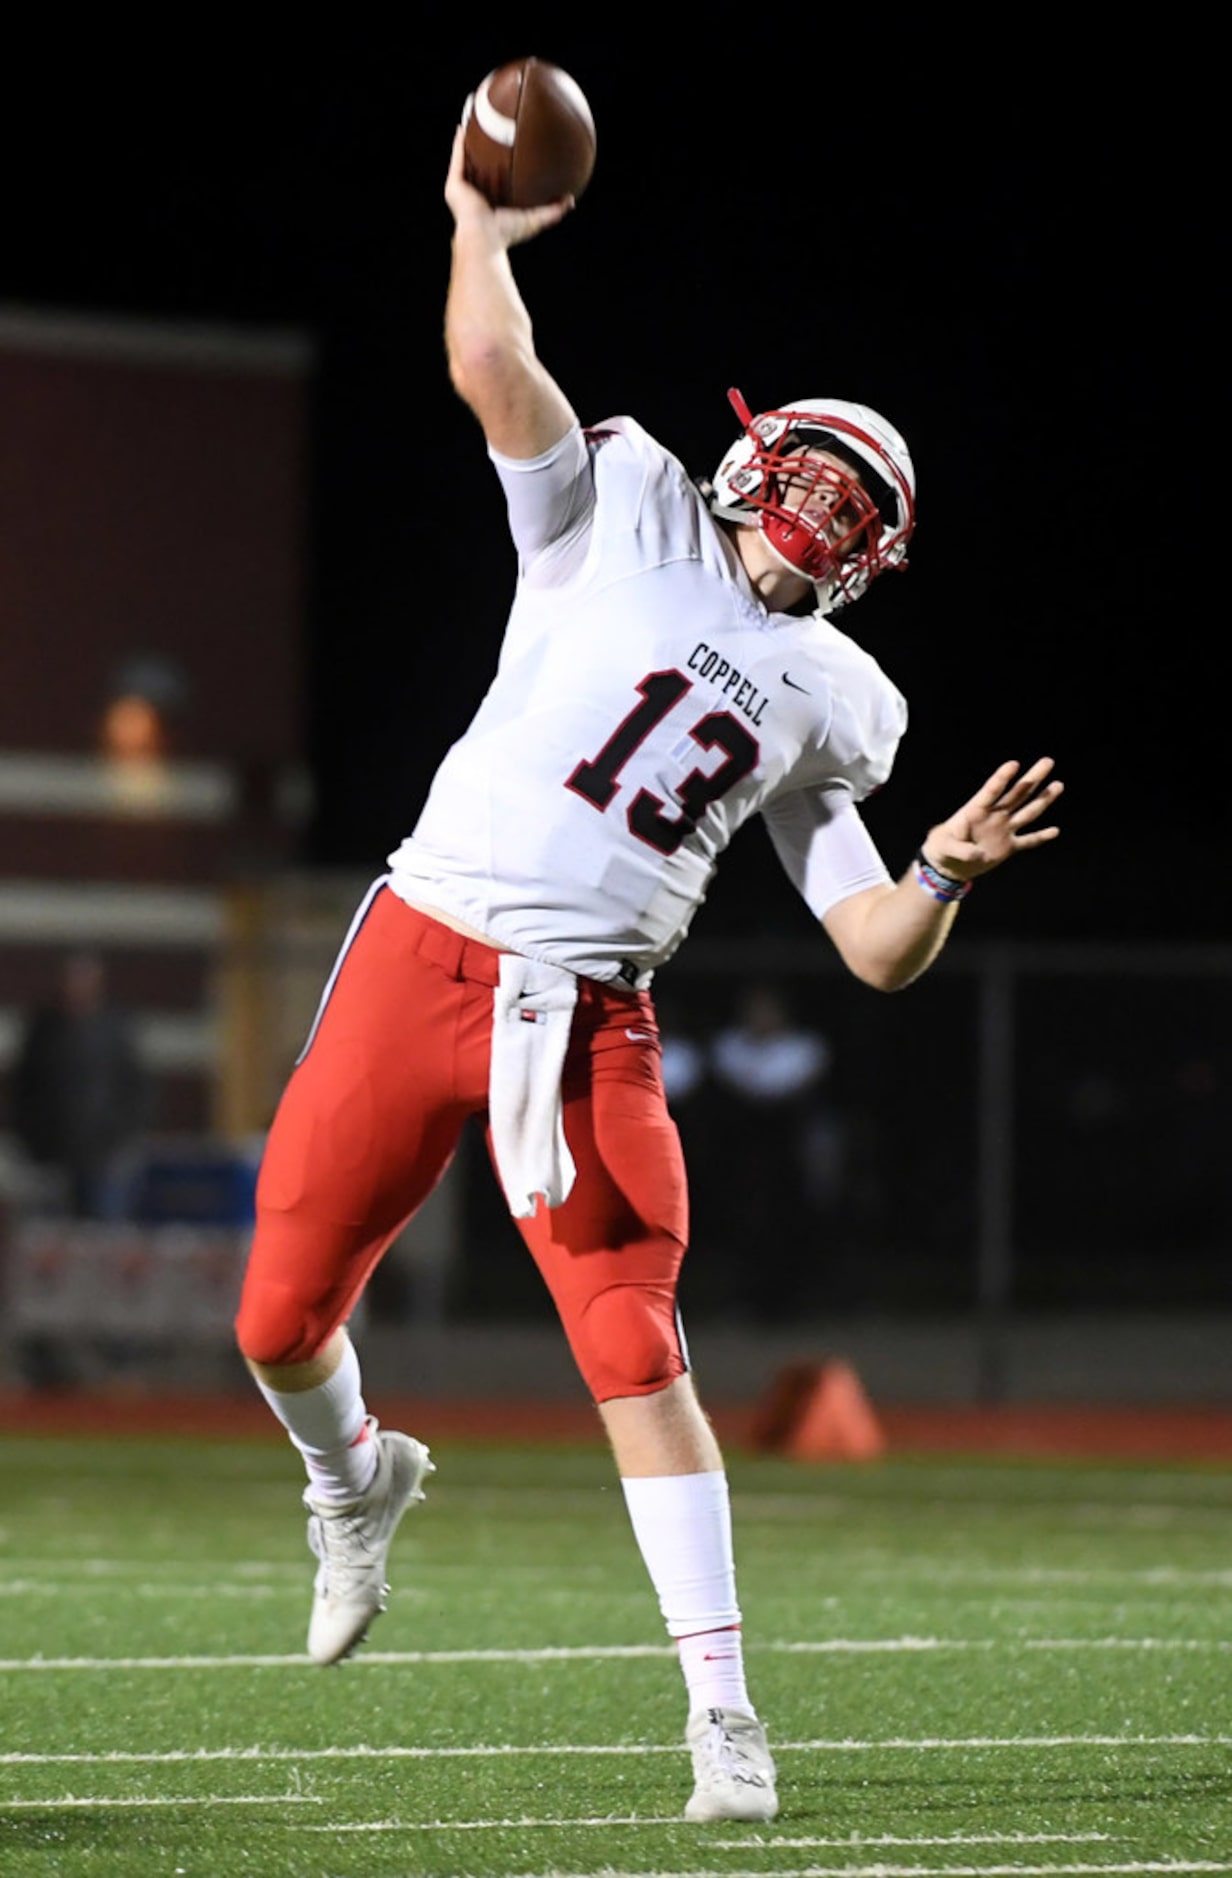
(966, 1667)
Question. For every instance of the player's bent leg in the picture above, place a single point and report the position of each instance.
(365, 1128)
(362, 1479)
(352, 1541)
(396, 1061)
(309, 1263)
(302, 1280)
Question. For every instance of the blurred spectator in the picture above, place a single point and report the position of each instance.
(81, 1093)
(684, 1058)
(691, 1097)
(765, 1057)
(783, 1148)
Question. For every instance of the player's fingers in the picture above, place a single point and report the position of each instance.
(1000, 780)
(461, 196)
(1041, 768)
(1023, 787)
(521, 224)
(991, 792)
(1031, 810)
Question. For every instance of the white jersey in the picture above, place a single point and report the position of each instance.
(645, 705)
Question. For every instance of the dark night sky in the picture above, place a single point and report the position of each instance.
(989, 244)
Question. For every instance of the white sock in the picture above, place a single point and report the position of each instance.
(682, 1524)
(713, 1668)
(329, 1426)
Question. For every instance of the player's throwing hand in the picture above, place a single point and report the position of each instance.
(998, 821)
(507, 227)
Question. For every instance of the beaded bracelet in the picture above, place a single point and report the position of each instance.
(943, 887)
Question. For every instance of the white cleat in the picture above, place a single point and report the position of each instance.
(352, 1543)
(733, 1772)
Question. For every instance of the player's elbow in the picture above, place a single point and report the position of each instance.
(856, 931)
(877, 945)
(874, 959)
(884, 974)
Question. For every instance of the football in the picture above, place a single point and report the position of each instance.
(528, 136)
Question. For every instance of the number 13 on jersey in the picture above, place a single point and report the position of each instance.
(596, 780)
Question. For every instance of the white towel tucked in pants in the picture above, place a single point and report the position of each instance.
(532, 1012)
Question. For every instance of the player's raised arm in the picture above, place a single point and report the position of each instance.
(489, 341)
(889, 935)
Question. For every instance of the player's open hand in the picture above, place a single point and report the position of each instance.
(504, 227)
(1000, 819)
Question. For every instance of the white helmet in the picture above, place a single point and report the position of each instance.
(874, 507)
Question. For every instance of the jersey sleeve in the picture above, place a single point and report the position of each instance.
(868, 716)
(549, 498)
(826, 851)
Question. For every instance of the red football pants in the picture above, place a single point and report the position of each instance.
(396, 1063)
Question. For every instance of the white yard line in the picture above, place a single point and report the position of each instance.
(863, 1841)
(556, 1750)
(69, 1800)
(852, 1842)
(82, 1571)
(495, 1825)
(69, 1587)
(828, 1646)
(856, 1843)
(840, 1646)
(373, 1658)
(1124, 1868)
(1150, 1577)
(1083, 1516)
(33, 1570)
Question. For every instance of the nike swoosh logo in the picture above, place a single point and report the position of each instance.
(639, 1036)
(793, 684)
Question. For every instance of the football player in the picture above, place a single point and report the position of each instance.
(671, 668)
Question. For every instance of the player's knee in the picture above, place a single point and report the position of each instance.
(628, 1341)
(274, 1326)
